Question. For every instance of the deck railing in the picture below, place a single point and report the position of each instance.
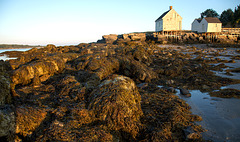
(231, 30)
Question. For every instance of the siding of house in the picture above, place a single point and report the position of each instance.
(170, 21)
(205, 26)
(214, 27)
(195, 26)
(159, 25)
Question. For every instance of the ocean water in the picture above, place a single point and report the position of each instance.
(221, 116)
(5, 57)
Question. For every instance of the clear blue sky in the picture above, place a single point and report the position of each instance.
(70, 22)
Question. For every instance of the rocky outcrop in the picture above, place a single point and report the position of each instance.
(137, 36)
(110, 38)
(184, 37)
(123, 38)
(88, 92)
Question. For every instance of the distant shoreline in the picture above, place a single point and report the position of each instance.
(15, 46)
(20, 47)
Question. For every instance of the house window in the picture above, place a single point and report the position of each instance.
(202, 27)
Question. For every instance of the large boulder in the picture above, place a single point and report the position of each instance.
(43, 69)
(116, 102)
(160, 38)
(136, 69)
(40, 70)
(137, 36)
(110, 38)
(103, 67)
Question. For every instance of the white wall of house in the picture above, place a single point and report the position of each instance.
(204, 26)
(214, 27)
(171, 21)
(195, 26)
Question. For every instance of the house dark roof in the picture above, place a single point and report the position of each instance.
(199, 20)
(162, 15)
(212, 20)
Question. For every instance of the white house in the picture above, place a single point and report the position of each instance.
(208, 24)
(169, 21)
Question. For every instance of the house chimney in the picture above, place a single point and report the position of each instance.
(170, 7)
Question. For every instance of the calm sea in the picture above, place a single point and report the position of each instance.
(5, 57)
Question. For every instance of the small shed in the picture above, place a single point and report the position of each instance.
(207, 24)
(169, 21)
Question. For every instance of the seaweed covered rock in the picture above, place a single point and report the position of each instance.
(29, 119)
(40, 70)
(7, 115)
(7, 122)
(5, 96)
(142, 55)
(116, 102)
(103, 67)
(136, 69)
(95, 134)
(226, 93)
(69, 90)
(166, 117)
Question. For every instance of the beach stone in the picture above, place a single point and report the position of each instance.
(169, 89)
(185, 92)
(205, 87)
(142, 85)
(190, 134)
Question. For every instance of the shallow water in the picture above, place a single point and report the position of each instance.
(5, 57)
(221, 116)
